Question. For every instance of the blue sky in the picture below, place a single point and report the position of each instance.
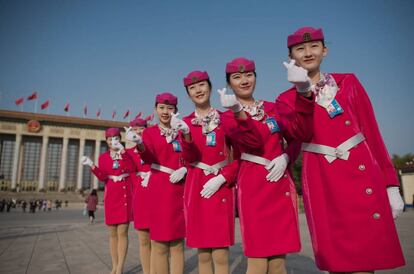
(120, 54)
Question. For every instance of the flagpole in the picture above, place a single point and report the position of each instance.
(130, 115)
(35, 106)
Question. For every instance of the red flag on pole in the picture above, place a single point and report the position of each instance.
(98, 114)
(149, 117)
(44, 105)
(138, 115)
(66, 109)
(33, 96)
(126, 114)
(113, 114)
(19, 101)
(85, 110)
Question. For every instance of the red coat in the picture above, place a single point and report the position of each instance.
(268, 211)
(341, 198)
(141, 202)
(91, 202)
(118, 195)
(167, 206)
(209, 222)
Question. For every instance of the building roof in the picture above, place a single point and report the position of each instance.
(20, 116)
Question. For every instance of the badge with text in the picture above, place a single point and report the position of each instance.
(115, 165)
(211, 139)
(334, 109)
(272, 125)
(176, 146)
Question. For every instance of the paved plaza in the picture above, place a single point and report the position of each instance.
(63, 242)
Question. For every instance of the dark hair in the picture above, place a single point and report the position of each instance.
(208, 82)
(323, 44)
(93, 193)
(228, 76)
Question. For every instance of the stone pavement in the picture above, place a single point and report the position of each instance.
(63, 242)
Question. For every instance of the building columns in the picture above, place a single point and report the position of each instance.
(62, 176)
(42, 171)
(16, 156)
(80, 166)
(97, 152)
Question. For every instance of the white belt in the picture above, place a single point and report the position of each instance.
(332, 153)
(117, 178)
(255, 159)
(162, 168)
(210, 169)
(141, 174)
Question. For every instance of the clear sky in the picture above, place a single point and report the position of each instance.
(120, 54)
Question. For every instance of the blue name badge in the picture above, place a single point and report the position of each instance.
(272, 125)
(334, 109)
(115, 165)
(211, 139)
(176, 146)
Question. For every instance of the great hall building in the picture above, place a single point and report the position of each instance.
(41, 152)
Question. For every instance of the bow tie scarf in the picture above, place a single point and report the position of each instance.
(115, 155)
(325, 90)
(256, 110)
(208, 122)
(168, 133)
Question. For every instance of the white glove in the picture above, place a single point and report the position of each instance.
(178, 175)
(277, 167)
(116, 144)
(178, 124)
(297, 76)
(229, 101)
(212, 185)
(396, 202)
(132, 136)
(86, 161)
(145, 177)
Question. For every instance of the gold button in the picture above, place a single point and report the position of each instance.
(220, 153)
(376, 216)
(368, 191)
(125, 204)
(287, 193)
(224, 200)
(125, 195)
(124, 187)
(361, 167)
(285, 175)
(347, 122)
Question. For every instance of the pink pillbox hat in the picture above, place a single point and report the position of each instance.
(303, 35)
(113, 131)
(195, 77)
(138, 122)
(166, 98)
(240, 65)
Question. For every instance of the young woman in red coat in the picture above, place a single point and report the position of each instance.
(161, 147)
(115, 167)
(141, 201)
(350, 188)
(208, 197)
(266, 192)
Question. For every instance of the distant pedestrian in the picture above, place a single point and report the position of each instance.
(44, 205)
(24, 205)
(2, 205)
(49, 205)
(9, 205)
(91, 202)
